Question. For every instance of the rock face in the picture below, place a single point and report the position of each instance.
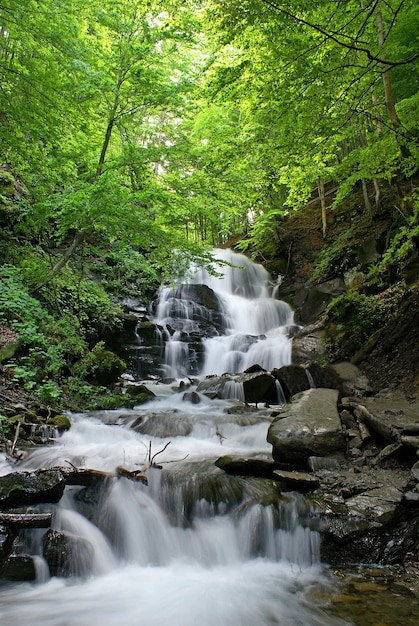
(308, 426)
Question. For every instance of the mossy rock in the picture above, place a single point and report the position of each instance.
(101, 366)
(60, 422)
(8, 351)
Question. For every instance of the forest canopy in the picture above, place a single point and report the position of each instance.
(137, 135)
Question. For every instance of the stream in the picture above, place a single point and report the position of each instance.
(195, 546)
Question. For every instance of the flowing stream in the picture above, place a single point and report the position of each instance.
(195, 545)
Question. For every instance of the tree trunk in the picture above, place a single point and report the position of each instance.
(322, 197)
(390, 103)
(77, 241)
(366, 198)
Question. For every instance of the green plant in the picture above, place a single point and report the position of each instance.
(49, 393)
(401, 250)
(351, 319)
(124, 271)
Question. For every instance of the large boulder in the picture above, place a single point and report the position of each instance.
(307, 426)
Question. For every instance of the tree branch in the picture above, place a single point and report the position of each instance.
(333, 36)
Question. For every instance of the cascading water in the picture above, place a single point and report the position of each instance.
(242, 322)
(195, 545)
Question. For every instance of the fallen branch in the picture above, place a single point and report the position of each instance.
(159, 452)
(15, 439)
(26, 520)
(132, 475)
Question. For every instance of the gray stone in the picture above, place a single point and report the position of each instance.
(346, 377)
(415, 471)
(296, 481)
(377, 504)
(307, 426)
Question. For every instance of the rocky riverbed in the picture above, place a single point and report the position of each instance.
(353, 453)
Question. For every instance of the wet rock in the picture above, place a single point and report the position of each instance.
(293, 379)
(212, 386)
(67, 555)
(259, 387)
(163, 425)
(296, 481)
(22, 488)
(140, 390)
(411, 498)
(192, 397)
(307, 426)
(246, 467)
(18, 568)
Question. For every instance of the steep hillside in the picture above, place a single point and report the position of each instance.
(368, 300)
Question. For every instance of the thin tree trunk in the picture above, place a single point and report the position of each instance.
(77, 241)
(322, 197)
(377, 192)
(365, 194)
(390, 102)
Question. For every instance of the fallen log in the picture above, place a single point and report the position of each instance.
(26, 520)
(374, 423)
(84, 477)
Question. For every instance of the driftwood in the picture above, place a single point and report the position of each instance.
(386, 452)
(364, 432)
(87, 477)
(135, 475)
(373, 422)
(26, 520)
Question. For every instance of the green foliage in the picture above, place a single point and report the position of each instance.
(95, 397)
(49, 393)
(100, 365)
(402, 249)
(353, 317)
(336, 256)
(124, 271)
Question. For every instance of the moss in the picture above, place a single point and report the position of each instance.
(101, 366)
(61, 422)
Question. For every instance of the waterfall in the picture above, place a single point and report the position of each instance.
(240, 320)
(194, 545)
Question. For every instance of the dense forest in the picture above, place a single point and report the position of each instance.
(136, 136)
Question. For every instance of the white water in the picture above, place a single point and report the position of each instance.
(194, 547)
(256, 322)
(217, 560)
